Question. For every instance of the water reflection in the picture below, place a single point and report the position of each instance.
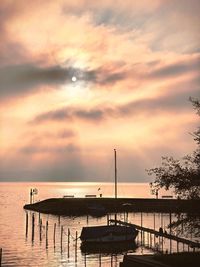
(109, 249)
(16, 237)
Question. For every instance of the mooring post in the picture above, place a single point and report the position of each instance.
(1, 253)
(177, 246)
(68, 241)
(61, 238)
(47, 224)
(54, 235)
(107, 219)
(31, 195)
(100, 259)
(40, 229)
(33, 226)
(161, 219)
(170, 231)
(87, 219)
(59, 220)
(111, 260)
(85, 259)
(39, 218)
(76, 240)
(188, 248)
(26, 224)
(150, 240)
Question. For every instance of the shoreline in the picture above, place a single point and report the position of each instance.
(82, 206)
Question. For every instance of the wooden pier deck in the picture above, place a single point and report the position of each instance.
(190, 243)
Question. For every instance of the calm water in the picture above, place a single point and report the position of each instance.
(19, 250)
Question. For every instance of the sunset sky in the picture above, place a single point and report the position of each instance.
(80, 78)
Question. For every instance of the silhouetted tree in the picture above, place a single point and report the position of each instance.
(183, 176)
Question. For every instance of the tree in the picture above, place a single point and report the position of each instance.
(183, 175)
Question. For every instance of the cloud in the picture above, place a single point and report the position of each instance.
(176, 69)
(38, 149)
(20, 79)
(170, 103)
(17, 79)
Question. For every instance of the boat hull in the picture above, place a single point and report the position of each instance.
(108, 234)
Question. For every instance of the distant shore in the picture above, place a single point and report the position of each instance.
(82, 206)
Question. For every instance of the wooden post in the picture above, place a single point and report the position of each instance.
(61, 238)
(85, 259)
(68, 242)
(1, 252)
(161, 220)
(33, 226)
(170, 232)
(26, 224)
(40, 229)
(107, 219)
(31, 194)
(100, 259)
(39, 218)
(76, 240)
(154, 226)
(177, 246)
(47, 234)
(54, 235)
(150, 240)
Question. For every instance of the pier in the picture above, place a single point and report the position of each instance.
(161, 234)
(80, 206)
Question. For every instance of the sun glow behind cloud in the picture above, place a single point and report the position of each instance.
(135, 66)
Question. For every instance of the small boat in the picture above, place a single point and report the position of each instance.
(109, 233)
(108, 248)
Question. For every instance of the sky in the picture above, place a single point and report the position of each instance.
(80, 78)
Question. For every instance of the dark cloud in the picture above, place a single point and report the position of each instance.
(16, 79)
(70, 114)
(176, 69)
(19, 79)
(173, 102)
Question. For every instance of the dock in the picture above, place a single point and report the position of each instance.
(80, 206)
(155, 233)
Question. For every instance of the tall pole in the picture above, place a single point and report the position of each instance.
(115, 173)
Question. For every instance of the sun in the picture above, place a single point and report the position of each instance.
(74, 79)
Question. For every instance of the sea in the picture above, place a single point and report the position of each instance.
(20, 247)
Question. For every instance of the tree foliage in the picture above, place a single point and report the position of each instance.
(183, 176)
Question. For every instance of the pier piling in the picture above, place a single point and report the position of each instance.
(1, 253)
(40, 229)
(76, 240)
(68, 241)
(61, 238)
(54, 235)
(47, 224)
(26, 224)
(33, 226)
